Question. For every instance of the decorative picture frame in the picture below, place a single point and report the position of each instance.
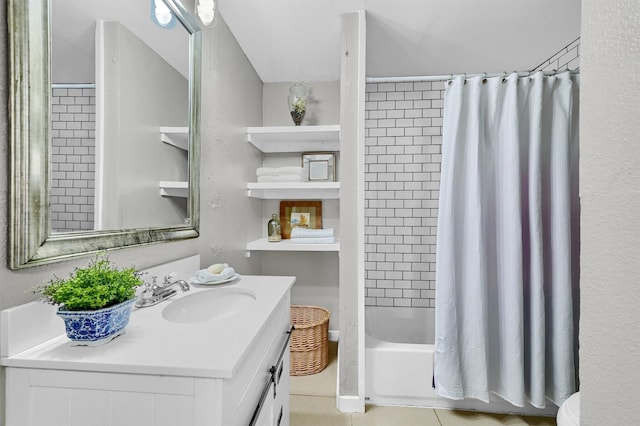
(306, 214)
(319, 166)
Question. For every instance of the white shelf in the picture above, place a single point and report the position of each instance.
(295, 138)
(294, 190)
(176, 136)
(263, 244)
(174, 189)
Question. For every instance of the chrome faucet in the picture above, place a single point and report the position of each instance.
(155, 293)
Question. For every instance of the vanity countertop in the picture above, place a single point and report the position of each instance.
(153, 345)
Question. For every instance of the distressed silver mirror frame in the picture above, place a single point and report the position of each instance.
(30, 241)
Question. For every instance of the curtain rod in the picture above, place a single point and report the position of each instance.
(73, 86)
(450, 76)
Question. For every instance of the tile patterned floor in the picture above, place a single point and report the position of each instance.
(313, 403)
(321, 411)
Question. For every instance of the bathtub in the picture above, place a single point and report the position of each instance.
(399, 354)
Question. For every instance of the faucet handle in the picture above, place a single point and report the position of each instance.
(168, 279)
(148, 286)
(140, 274)
(145, 294)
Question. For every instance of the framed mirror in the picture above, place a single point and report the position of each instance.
(104, 113)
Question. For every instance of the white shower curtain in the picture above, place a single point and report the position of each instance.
(507, 262)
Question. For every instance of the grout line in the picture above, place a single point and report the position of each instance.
(437, 417)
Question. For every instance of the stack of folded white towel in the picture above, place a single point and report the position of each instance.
(214, 273)
(312, 236)
(279, 174)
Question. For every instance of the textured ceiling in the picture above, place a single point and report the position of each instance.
(290, 40)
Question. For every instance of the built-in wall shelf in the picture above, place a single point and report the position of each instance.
(263, 244)
(176, 136)
(295, 138)
(174, 188)
(294, 190)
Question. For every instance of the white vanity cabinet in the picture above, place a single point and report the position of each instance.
(256, 396)
(138, 379)
(273, 405)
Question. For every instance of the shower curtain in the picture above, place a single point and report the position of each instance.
(507, 260)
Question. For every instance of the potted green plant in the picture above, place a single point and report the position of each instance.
(94, 302)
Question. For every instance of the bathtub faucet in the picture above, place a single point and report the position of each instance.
(155, 293)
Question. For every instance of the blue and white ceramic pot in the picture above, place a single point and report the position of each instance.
(93, 328)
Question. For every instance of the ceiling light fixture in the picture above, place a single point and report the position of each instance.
(206, 11)
(161, 13)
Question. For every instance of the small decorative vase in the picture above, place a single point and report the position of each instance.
(298, 97)
(274, 230)
(93, 328)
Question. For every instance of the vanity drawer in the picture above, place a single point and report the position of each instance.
(275, 393)
(246, 387)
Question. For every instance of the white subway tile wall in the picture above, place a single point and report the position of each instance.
(568, 58)
(403, 138)
(72, 159)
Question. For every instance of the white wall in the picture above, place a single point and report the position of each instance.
(231, 100)
(317, 272)
(142, 92)
(323, 104)
(610, 196)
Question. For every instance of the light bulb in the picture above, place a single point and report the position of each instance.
(206, 10)
(162, 12)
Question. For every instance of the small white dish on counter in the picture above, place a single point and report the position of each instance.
(226, 280)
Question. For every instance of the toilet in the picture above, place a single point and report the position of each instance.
(569, 412)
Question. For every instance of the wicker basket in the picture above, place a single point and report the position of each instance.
(309, 340)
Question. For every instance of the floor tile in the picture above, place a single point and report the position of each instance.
(313, 403)
(385, 416)
(322, 383)
(316, 411)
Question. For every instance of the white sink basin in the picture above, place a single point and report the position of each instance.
(209, 304)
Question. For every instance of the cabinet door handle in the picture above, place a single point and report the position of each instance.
(280, 416)
(263, 397)
(272, 379)
(280, 371)
(285, 347)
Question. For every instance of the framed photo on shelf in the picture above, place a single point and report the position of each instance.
(306, 214)
(319, 166)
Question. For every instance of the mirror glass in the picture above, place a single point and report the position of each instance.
(105, 126)
(120, 81)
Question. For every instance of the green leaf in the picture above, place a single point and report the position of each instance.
(101, 284)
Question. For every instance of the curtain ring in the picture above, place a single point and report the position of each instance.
(450, 81)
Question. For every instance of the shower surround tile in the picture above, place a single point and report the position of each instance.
(403, 138)
(72, 159)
